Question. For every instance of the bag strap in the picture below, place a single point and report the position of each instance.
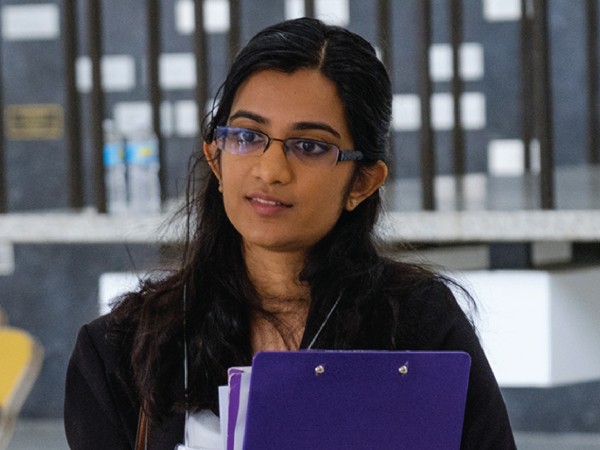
(141, 438)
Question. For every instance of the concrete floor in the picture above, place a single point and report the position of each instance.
(49, 435)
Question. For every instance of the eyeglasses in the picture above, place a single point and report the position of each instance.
(245, 142)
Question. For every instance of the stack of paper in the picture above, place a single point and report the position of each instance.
(233, 405)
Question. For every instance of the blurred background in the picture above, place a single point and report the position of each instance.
(495, 174)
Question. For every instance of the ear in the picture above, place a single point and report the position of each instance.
(211, 152)
(366, 183)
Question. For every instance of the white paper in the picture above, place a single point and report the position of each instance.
(224, 413)
(240, 418)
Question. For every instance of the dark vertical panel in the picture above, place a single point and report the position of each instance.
(592, 80)
(427, 147)
(385, 42)
(96, 100)
(510, 255)
(201, 58)
(543, 101)
(526, 83)
(72, 106)
(3, 177)
(154, 92)
(586, 252)
(458, 140)
(309, 8)
(235, 22)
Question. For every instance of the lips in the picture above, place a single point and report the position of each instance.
(266, 201)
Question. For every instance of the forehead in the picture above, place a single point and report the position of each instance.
(303, 95)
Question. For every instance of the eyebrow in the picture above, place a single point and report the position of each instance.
(305, 125)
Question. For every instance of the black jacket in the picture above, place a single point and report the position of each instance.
(101, 411)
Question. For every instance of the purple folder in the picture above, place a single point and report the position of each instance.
(357, 400)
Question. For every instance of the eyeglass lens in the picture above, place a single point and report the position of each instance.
(245, 142)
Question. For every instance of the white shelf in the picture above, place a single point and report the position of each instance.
(492, 226)
(86, 228)
(434, 227)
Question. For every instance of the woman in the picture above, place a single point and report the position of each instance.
(282, 253)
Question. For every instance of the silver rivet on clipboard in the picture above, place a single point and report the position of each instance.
(319, 370)
(403, 369)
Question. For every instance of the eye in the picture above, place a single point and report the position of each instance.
(243, 136)
(309, 147)
(242, 141)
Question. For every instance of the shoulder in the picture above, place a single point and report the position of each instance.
(100, 346)
(417, 287)
(424, 305)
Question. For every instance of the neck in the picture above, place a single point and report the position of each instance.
(276, 277)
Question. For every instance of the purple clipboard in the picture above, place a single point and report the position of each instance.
(357, 400)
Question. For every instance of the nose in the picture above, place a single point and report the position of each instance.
(273, 165)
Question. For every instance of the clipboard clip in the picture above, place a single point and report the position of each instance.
(403, 369)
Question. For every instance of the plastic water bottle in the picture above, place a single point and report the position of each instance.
(143, 183)
(115, 171)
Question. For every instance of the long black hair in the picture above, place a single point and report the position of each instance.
(213, 282)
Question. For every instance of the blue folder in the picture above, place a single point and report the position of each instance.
(357, 400)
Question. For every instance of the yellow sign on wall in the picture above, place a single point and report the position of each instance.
(35, 122)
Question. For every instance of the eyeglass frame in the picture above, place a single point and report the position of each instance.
(343, 155)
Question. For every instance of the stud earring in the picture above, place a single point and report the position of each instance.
(220, 186)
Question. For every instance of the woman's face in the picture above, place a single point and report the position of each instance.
(273, 200)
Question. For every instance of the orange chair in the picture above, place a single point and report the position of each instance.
(20, 363)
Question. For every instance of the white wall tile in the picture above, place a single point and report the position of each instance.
(440, 62)
(501, 10)
(167, 119)
(471, 62)
(442, 113)
(216, 16)
(184, 17)
(117, 72)
(334, 12)
(294, 9)
(131, 117)
(177, 71)
(406, 112)
(186, 118)
(506, 157)
(30, 22)
(473, 110)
